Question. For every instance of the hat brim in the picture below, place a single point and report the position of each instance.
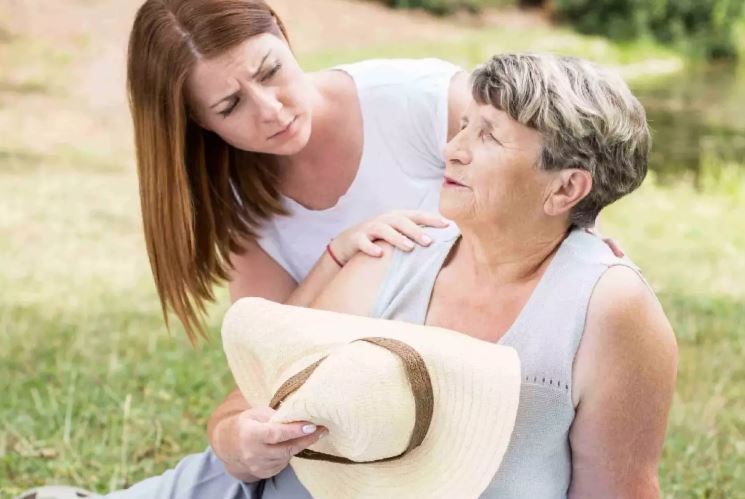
(476, 388)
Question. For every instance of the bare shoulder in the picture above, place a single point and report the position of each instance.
(625, 326)
(356, 286)
(623, 302)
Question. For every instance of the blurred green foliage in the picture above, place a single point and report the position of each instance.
(708, 28)
(711, 29)
(443, 7)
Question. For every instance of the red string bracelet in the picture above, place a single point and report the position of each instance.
(331, 254)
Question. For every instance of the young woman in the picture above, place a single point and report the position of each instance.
(249, 167)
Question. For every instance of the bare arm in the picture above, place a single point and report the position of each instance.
(257, 274)
(624, 381)
(354, 289)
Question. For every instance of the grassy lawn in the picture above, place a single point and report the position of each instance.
(96, 392)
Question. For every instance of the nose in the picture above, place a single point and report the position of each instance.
(454, 152)
(268, 106)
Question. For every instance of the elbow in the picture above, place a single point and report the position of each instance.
(648, 487)
(640, 486)
(652, 487)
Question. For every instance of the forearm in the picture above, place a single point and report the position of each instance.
(222, 429)
(223, 424)
(322, 273)
(232, 406)
(638, 486)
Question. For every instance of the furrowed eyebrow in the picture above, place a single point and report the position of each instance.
(254, 75)
(261, 65)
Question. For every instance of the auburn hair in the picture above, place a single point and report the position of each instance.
(199, 196)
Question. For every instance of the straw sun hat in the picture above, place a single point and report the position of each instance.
(412, 411)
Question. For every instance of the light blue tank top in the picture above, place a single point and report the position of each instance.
(546, 335)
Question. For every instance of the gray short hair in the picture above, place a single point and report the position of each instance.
(587, 116)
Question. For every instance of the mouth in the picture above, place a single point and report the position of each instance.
(451, 182)
(284, 131)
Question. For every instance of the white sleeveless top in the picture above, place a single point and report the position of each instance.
(404, 107)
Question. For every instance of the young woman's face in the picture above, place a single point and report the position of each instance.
(255, 97)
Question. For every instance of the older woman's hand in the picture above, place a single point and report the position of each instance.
(400, 228)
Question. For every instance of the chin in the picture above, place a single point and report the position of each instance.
(290, 148)
(296, 143)
(450, 208)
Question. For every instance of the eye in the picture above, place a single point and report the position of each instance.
(277, 66)
(486, 136)
(226, 112)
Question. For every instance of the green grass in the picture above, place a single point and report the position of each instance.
(691, 247)
(95, 391)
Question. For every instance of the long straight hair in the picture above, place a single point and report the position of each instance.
(199, 196)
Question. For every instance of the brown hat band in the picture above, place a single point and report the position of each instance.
(421, 387)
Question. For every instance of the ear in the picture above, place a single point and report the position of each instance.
(568, 188)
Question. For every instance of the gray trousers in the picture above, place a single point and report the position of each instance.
(203, 476)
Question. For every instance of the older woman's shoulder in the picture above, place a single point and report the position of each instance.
(626, 328)
(623, 302)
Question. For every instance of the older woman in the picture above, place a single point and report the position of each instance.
(544, 145)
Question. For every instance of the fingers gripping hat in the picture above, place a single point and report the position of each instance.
(412, 411)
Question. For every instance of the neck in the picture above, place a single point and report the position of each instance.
(508, 255)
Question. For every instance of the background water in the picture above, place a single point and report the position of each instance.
(697, 120)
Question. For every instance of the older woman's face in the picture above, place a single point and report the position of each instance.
(491, 175)
(255, 97)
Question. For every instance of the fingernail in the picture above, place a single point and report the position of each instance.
(409, 245)
(309, 428)
(378, 251)
(445, 222)
(427, 239)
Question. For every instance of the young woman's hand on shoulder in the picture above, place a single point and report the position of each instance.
(401, 228)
